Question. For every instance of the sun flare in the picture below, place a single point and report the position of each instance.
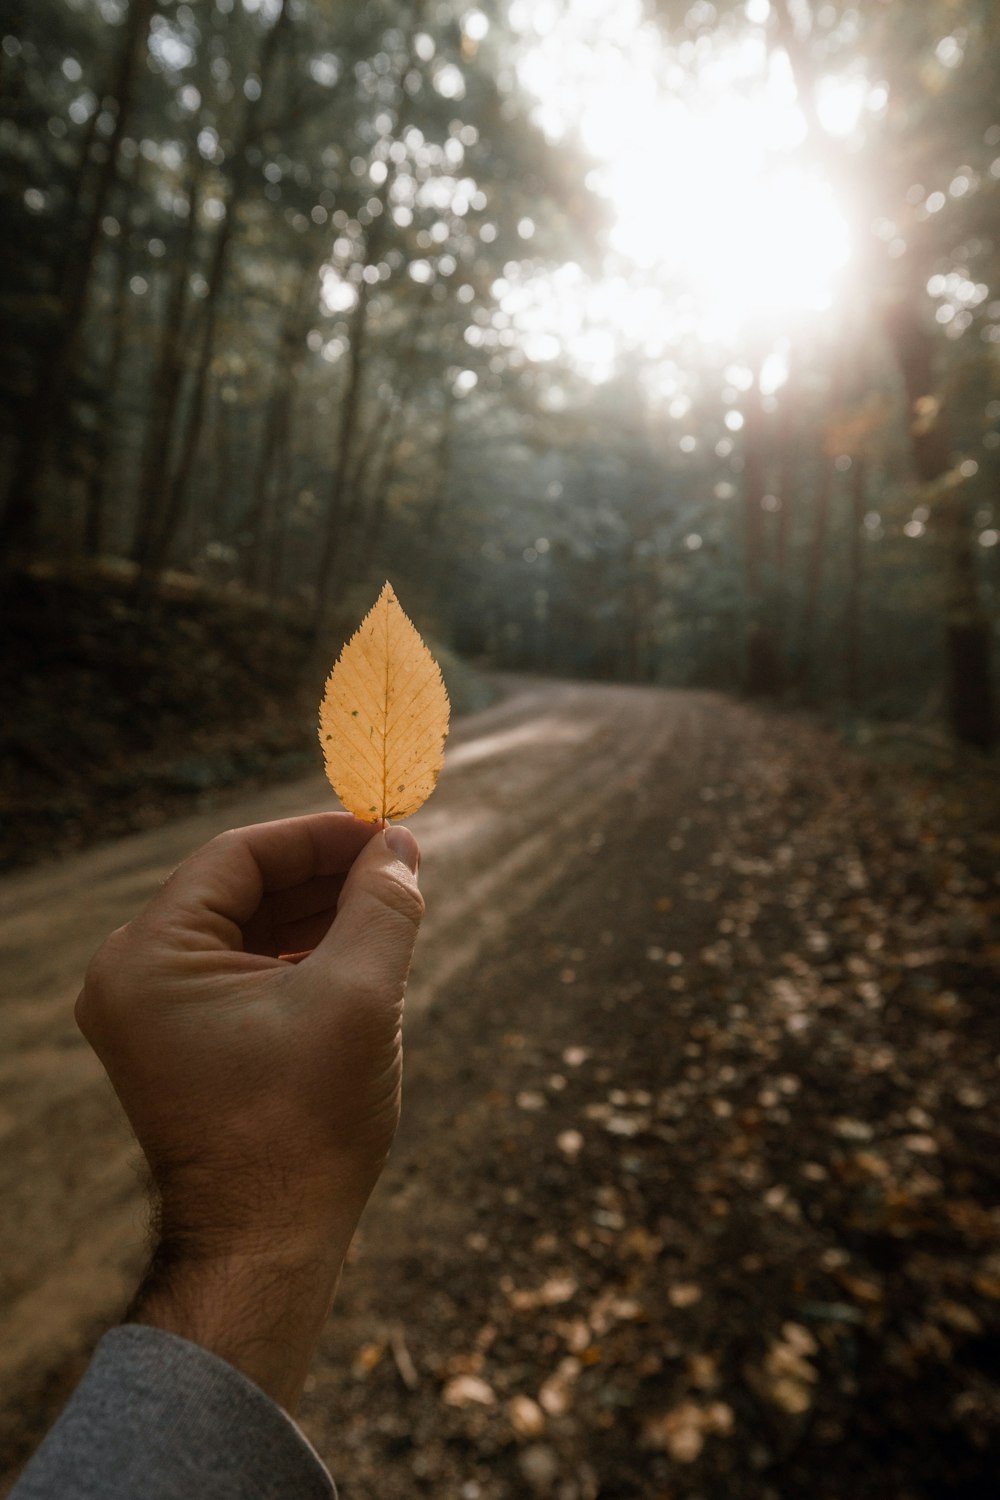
(720, 225)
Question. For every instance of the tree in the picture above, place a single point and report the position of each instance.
(44, 409)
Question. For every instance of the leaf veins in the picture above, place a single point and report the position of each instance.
(384, 717)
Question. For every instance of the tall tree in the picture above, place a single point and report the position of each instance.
(167, 500)
(44, 410)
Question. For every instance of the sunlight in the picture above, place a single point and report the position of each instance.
(720, 225)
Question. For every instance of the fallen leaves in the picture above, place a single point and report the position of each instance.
(682, 1431)
(384, 717)
(555, 1394)
(714, 1245)
(468, 1390)
(789, 1375)
(526, 1417)
(551, 1293)
(570, 1143)
(684, 1294)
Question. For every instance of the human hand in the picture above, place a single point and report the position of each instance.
(264, 1094)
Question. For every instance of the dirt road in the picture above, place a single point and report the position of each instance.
(521, 778)
(698, 1162)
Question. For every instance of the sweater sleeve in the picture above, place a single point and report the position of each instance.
(158, 1418)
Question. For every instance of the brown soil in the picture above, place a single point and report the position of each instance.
(695, 1192)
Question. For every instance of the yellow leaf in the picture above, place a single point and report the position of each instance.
(384, 717)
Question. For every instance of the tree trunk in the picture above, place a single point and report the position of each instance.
(173, 491)
(816, 556)
(852, 602)
(46, 408)
(94, 522)
(223, 447)
(281, 501)
(82, 178)
(373, 469)
(168, 377)
(382, 482)
(439, 496)
(968, 642)
(785, 483)
(387, 414)
(263, 519)
(813, 577)
(763, 676)
(345, 446)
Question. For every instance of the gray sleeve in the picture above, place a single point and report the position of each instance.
(158, 1418)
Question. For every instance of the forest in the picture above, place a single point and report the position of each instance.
(279, 276)
(651, 350)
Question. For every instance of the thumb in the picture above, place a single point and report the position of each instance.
(369, 944)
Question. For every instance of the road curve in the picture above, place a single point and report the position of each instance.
(522, 781)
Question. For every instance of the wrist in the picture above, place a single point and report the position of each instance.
(248, 1269)
(262, 1311)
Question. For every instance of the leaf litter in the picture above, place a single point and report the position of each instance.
(779, 1272)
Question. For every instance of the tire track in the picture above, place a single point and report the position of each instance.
(524, 781)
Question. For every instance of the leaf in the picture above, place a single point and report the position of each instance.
(384, 717)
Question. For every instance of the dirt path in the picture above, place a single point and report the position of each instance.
(518, 776)
(697, 1178)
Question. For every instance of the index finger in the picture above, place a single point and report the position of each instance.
(228, 877)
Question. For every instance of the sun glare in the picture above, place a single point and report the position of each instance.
(720, 226)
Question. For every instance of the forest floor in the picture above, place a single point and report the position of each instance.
(696, 1190)
(120, 719)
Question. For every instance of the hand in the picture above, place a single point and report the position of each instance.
(264, 1094)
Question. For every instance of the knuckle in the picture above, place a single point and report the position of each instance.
(226, 840)
(103, 978)
(373, 981)
(403, 898)
(106, 962)
(82, 1011)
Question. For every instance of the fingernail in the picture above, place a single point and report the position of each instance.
(404, 846)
